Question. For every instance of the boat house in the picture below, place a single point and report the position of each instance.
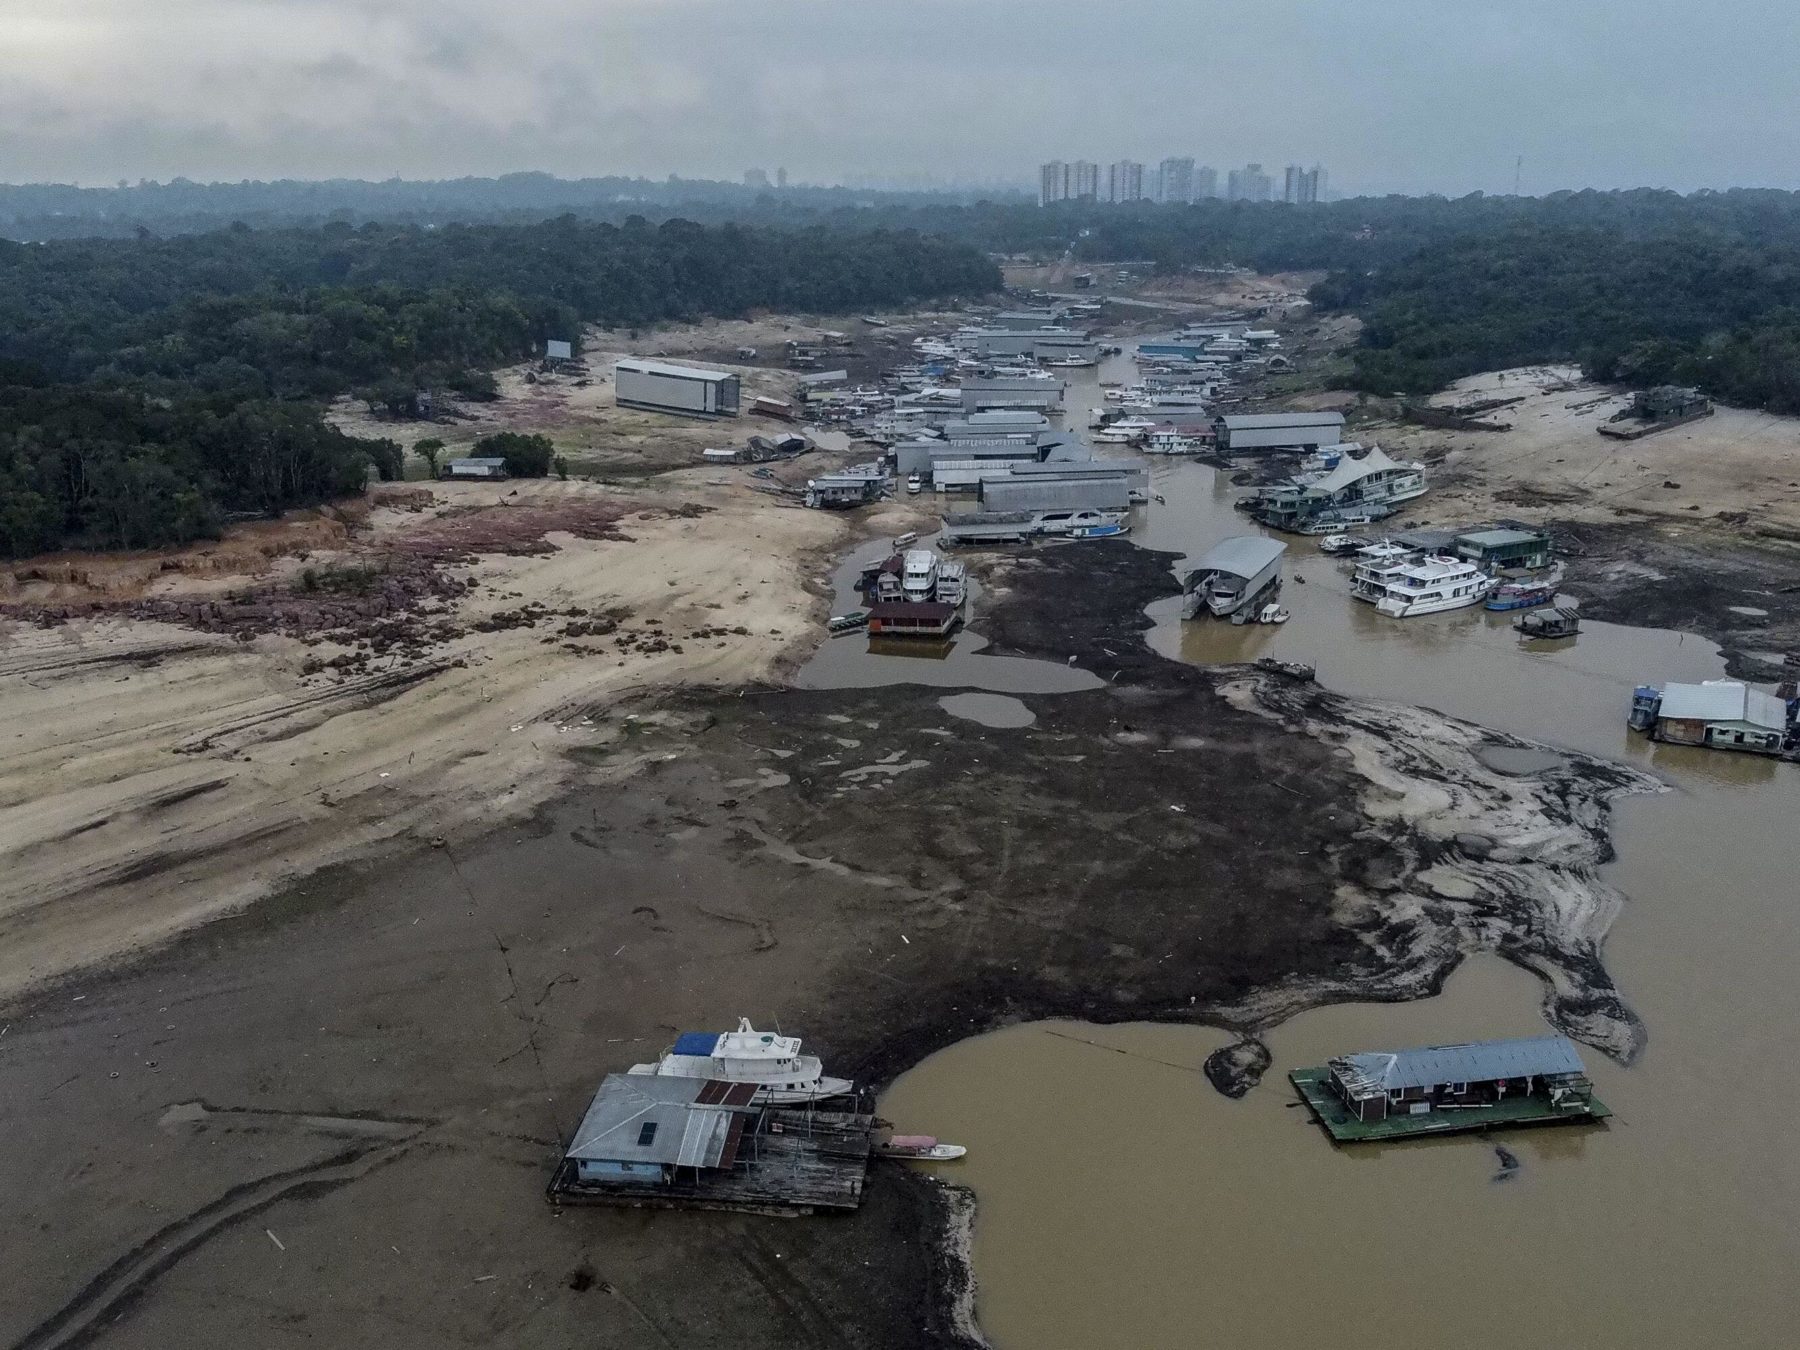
(648, 1139)
(1494, 550)
(1235, 574)
(1239, 432)
(1442, 1088)
(1722, 714)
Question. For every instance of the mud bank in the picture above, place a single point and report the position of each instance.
(1222, 847)
(1741, 595)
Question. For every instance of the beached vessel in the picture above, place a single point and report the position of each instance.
(772, 1064)
(1546, 624)
(1342, 543)
(1432, 586)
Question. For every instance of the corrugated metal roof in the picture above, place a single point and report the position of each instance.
(1500, 538)
(1242, 555)
(482, 462)
(648, 1118)
(644, 367)
(1723, 701)
(1473, 1062)
(1272, 421)
(1011, 494)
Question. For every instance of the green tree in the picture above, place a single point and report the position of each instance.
(428, 450)
(526, 456)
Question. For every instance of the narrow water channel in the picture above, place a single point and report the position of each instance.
(1124, 1202)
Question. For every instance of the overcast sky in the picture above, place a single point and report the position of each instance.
(1401, 95)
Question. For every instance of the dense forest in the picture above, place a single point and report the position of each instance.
(152, 388)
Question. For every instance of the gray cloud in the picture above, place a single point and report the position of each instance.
(1391, 95)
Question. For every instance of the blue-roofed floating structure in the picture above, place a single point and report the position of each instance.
(1437, 1089)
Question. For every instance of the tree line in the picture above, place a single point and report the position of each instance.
(152, 389)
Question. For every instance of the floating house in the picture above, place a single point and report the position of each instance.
(1009, 392)
(1495, 550)
(1353, 492)
(1667, 405)
(857, 485)
(1440, 1089)
(702, 1143)
(1721, 714)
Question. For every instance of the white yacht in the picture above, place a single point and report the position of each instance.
(1376, 565)
(918, 574)
(785, 1076)
(952, 582)
(1433, 584)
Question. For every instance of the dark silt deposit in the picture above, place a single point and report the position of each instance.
(1741, 593)
(1225, 846)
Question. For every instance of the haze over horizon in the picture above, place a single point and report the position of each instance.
(1413, 98)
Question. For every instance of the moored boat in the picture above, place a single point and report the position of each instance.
(1432, 586)
(774, 1064)
(1523, 594)
(1273, 614)
(922, 1147)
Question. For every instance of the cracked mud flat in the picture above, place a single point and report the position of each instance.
(882, 876)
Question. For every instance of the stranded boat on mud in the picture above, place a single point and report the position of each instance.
(1524, 594)
(921, 1147)
(1442, 1089)
(773, 1065)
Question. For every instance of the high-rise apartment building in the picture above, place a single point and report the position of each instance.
(1084, 181)
(1175, 180)
(1206, 183)
(1125, 181)
(781, 178)
(1249, 184)
(1053, 182)
(1303, 186)
(756, 178)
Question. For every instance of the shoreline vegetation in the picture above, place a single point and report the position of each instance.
(151, 390)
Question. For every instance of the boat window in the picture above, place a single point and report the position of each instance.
(646, 1133)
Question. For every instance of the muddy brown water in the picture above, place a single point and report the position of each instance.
(1122, 1201)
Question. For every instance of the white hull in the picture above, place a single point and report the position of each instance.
(815, 1090)
(1397, 608)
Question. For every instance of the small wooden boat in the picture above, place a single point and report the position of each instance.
(1273, 614)
(1098, 531)
(921, 1147)
(849, 623)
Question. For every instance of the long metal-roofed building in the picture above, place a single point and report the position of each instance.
(1278, 431)
(1724, 714)
(1013, 494)
(1003, 392)
(686, 391)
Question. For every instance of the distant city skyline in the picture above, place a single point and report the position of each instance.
(1176, 179)
(1408, 98)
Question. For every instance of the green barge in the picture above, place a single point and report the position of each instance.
(1449, 1089)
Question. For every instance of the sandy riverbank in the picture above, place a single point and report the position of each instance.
(157, 774)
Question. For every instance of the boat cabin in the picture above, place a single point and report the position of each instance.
(1378, 1084)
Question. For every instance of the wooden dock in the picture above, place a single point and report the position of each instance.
(797, 1162)
(1314, 1087)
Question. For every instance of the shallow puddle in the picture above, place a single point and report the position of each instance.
(991, 710)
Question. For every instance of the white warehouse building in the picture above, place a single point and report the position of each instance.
(686, 391)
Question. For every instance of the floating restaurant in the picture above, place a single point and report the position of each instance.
(1443, 1089)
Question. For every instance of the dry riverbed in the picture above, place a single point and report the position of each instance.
(354, 1092)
